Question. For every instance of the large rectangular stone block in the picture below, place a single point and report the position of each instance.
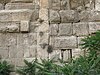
(64, 42)
(93, 27)
(15, 15)
(69, 16)
(54, 16)
(65, 29)
(54, 4)
(11, 6)
(54, 29)
(80, 29)
(10, 27)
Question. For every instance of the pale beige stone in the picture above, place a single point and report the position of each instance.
(65, 4)
(24, 27)
(13, 6)
(1, 6)
(65, 29)
(69, 16)
(97, 5)
(80, 29)
(54, 29)
(93, 27)
(44, 3)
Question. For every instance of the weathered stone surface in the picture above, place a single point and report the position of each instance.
(65, 4)
(97, 5)
(4, 1)
(65, 29)
(9, 27)
(15, 15)
(80, 41)
(65, 42)
(93, 27)
(77, 52)
(80, 29)
(43, 14)
(54, 4)
(54, 29)
(24, 27)
(1, 6)
(35, 15)
(69, 16)
(11, 6)
(82, 5)
(25, 1)
(4, 52)
(44, 3)
(54, 16)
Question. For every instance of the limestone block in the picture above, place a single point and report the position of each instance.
(24, 27)
(54, 16)
(44, 3)
(10, 27)
(4, 1)
(65, 29)
(35, 15)
(65, 5)
(97, 5)
(94, 16)
(77, 52)
(84, 16)
(34, 26)
(4, 52)
(54, 4)
(65, 42)
(54, 29)
(15, 52)
(82, 5)
(15, 15)
(30, 52)
(69, 16)
(1, 6)
(43, 14)
(80, 29)
(23, 1)
(11, 6)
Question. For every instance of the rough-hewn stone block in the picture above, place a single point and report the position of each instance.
(65, 29)
(9, 27)
(80, 29)
(15, 15)
(54, 29)
(65, 5)
(54, 4)
(93, 27)
(23, 1)
(14, 6)
(54, 16)
(24, 27)
(69, 16)
(1, 6)
(65, 42)
(97, 5)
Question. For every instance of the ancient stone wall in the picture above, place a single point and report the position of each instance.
(30, 28)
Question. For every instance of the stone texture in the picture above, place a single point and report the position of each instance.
(1, 6)
(65, 42)
(24, 27)
(65, 4)
(15, 15)
(54, 29)
(80, 29)
(23, 1)
(10, 27)
(65, 29)
(44, 3)
(93, 27)
(80, 41)
(54, 4)
(11, 6)
(54, 16)
(69, 16)
(97, 5)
